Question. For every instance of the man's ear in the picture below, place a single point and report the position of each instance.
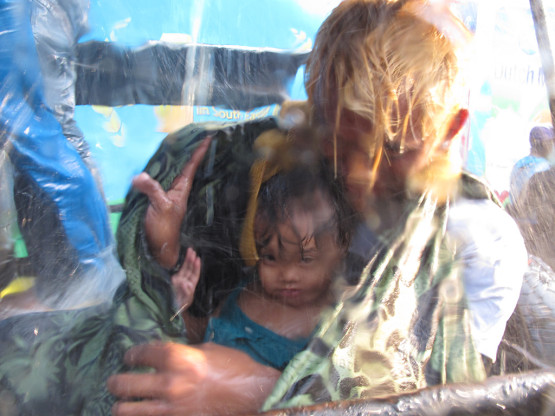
(457, 123)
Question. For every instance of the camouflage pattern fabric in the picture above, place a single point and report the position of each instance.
(403, 327)
(56, 363)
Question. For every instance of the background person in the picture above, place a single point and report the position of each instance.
(542, 155)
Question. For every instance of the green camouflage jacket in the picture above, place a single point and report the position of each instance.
(404, 326)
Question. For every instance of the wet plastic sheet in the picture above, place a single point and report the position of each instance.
(233, 77)
(48, 72)
(61, 211)
(514, 395)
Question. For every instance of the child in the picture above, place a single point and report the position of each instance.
(300, 229)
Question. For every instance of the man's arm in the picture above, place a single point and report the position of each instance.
(204, 380)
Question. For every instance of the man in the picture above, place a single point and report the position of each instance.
(542, 152)
(537, 206)
(385, 97)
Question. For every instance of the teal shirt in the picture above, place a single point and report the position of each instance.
(232, 328)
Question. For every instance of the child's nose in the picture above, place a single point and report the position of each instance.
(290, 274)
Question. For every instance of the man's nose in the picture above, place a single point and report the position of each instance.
(357, 169)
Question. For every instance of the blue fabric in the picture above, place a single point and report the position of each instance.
(523, 170)
(234, 329)
(55, 176)
(38, 146)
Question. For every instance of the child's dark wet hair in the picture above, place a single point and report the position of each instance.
(295, 188)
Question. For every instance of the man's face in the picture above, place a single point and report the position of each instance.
(400, 159)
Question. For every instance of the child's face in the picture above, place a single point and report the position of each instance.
(294, 269)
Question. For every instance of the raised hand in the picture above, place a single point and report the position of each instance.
(186, 279)
(166, 210)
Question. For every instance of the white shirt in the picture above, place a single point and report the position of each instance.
(495, 259)
(488, 243)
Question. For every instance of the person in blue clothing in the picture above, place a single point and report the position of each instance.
(540, 159)
(294, 239)
(542, 149)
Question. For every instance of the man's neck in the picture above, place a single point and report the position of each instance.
(386, 214)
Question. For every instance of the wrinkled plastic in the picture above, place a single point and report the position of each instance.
(531, 393)
(8, 221)
(63, 215)
(57, 26)
(61, 211)
(202, 75)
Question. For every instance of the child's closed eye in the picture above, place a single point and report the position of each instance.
(309, 256)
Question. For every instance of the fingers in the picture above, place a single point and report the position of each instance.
(133, 385)
(183, 182)
(190, 269)
(175, 380)
(163, 356)
(181, 186)
(142, 408)
(147, 355)
(148, 186)
(186, 279)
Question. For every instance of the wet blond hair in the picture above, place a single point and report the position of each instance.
(394, 63)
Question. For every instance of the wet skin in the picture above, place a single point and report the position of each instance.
(296, 266)
(402, 157)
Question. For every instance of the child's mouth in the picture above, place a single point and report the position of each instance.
(290, 293)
